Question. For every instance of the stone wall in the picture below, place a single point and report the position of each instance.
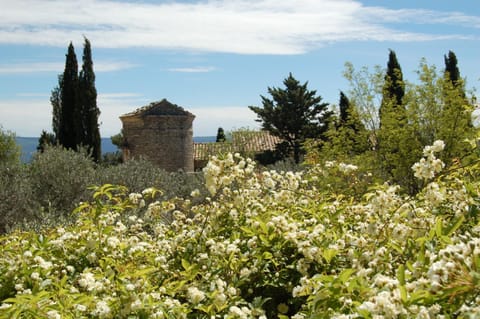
(165, 140)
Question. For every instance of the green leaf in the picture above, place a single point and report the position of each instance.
(403, 294)
(185, 264)
(401, 275)
(438, 227)
(456, 225)
(328, 254)
(346, 274)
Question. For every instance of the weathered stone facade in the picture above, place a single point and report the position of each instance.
(162, 133)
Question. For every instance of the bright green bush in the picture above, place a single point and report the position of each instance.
(263, 245)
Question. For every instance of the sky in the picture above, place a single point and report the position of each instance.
(216, 57)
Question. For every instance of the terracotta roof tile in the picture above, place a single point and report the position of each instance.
(249, 142)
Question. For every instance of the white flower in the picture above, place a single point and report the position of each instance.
(53, 314)
(35, 276)
(42, 263)
(4, 306)
(101, 309)
(80, 307)
(195, 193)
(195, 295)
(438, 146)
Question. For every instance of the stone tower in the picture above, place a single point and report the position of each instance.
(162, 133)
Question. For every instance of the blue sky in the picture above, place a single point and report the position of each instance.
(217, 57)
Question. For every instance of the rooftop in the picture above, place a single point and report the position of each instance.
(163, 107)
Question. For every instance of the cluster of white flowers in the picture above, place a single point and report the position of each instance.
(270, 225)
(429, 165)
(195, 295)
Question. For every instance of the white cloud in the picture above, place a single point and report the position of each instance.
(54, 67)
(28, 117)
(197, 69)
(234, 26)
(209, 119)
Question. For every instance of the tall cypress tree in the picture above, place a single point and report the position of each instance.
(397, 143)
(451, 69)
(88, 110)
(393, 89)
(67, 135)
(344, 105)
(456, 114)
(56, 101)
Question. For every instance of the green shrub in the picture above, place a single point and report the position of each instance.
(140, 174)
(60, 179)
(17, 204)
(264, 245)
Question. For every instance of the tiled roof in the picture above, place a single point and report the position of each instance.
(162, 107)
(245, 142)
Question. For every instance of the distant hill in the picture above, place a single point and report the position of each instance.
(29, 145)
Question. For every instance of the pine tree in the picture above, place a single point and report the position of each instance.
(87, 110)
(67, 135)
(293, 114)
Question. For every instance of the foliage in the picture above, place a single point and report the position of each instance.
(393, 88)
(347, 136)
(60, 178)
(75, 111)
(68, 102)
(9, 149)
(220, 136)
(16, 202)
(431, 109)
(263, 245)
(293, 114)
(88, 109)
(44, 140)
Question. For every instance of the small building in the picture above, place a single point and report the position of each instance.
(248, 143)
(162, 133)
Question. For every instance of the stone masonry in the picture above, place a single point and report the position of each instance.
(162, 133)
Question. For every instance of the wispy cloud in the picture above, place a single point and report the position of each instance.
(234, 26)
(197, 69)
(54, 67)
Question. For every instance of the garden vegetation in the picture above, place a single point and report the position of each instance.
(380, 220)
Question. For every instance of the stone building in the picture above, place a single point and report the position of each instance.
(162, 133)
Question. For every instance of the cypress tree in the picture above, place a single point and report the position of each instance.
(88, 111)
(344, 105)
(55, 100)
(452, 72)
(397, 143)
(220, 135)
(393, 89)
(455, 117)
(67, 135)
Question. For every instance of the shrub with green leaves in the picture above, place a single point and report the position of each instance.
(261, 245)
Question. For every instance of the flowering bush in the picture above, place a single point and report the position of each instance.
(265, 244)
